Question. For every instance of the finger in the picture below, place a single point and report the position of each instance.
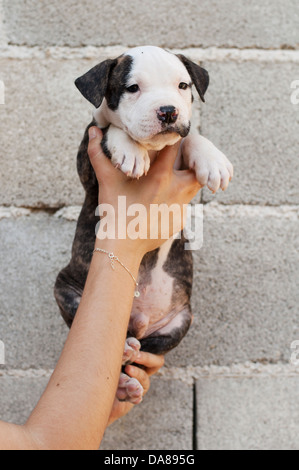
(166, 158)
(188, 182)
(187, 177)
(101, 164)
(151, 362)
(95, 137)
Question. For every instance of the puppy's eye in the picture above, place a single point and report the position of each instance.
(133, 89)
(183, 86)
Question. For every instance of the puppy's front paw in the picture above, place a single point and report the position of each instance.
(215, 173)
(131, 159)
(129, 390)
(126, 154)
(212, 167)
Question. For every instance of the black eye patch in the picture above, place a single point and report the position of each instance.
(118, 80)
(199, 76)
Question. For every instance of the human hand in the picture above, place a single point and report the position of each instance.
(162, 185)
(151, 363)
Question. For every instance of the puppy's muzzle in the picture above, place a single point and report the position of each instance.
(167, 114)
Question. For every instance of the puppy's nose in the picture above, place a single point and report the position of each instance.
(168, 114)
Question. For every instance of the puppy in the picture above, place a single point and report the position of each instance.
(143, 103)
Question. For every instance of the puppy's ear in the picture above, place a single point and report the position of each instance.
(199, 75)
(93, 85)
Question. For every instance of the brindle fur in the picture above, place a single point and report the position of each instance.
(109, 79)
(71, 280)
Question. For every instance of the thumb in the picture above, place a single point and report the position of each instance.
(188, 182)
(100, 163)
(167, 157)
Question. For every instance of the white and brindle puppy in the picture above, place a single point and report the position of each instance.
(143, 103)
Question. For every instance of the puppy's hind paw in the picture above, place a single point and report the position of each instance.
(129, 390)
(132, 348)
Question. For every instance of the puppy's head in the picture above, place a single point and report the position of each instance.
(147, 92)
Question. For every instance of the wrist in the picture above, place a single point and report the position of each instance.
(130, 256)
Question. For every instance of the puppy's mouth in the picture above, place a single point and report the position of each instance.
(183, 131)
(156, 138)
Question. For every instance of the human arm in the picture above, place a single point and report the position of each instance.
(75, 408)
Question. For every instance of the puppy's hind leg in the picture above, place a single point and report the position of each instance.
(68, 297)
(169, 336)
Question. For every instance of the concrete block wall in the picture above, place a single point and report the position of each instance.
(230, 383)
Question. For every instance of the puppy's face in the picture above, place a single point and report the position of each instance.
(155, 103)
(146, 92)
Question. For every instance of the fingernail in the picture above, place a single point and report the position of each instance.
(92, 133)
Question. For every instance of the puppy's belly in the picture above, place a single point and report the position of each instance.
(156, 307)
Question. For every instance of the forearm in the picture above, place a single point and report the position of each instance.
(74, 409)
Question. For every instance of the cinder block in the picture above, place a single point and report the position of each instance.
(32, 251)
(249, 115)
(19, 396)
(259, 413)
(162, 422)
(245, 295)
(270, 24)
(42, 125)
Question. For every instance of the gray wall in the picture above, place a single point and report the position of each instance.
(236, 358)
